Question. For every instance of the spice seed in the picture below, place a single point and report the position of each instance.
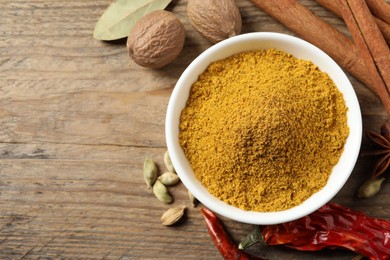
(370, 188)
(192, 199)
(161, 192)
(168, 162)
(169, 178)
(172, 216)
(150, 172)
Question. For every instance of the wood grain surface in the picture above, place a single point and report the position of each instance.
(77, 120)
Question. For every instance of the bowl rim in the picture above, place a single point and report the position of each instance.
(318, 199)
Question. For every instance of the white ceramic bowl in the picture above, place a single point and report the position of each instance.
(257, 41)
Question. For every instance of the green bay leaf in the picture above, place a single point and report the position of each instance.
(121, 15)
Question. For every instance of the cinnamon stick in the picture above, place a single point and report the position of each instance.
(385, 29)
(371, 44)
(310, 27)
(380, 9)
(334, 7)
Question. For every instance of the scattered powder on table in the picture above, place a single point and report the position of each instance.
(263, 130)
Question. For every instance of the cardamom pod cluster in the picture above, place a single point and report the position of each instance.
(160, 184)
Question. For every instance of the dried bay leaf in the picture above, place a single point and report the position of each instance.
(120, 17)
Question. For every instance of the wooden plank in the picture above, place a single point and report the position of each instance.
(77, 119)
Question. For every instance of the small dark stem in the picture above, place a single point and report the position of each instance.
(253, 238)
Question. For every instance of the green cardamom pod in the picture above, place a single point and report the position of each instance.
(172, 216)
(369, 188)
(169, 178)
(168, 162)
(150, 172)
(192, 199)
(161, 192)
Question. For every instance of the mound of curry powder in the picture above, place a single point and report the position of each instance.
(263, 130)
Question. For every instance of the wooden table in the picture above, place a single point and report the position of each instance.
(77, 120)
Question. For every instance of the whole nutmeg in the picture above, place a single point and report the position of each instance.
(156, 39)
(216, 20)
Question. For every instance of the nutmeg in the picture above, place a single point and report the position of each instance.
(156, 39)
(215, 20)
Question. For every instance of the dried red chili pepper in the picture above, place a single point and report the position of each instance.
(222, 240)
(332, 226)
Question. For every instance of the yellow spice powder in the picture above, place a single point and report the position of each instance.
(262, 130)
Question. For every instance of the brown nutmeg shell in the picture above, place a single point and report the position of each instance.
(156, 39)
(216, 20)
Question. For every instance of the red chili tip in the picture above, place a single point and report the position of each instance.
(206, 211)
(222, 240)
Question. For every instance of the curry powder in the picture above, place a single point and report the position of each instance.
(263, 130)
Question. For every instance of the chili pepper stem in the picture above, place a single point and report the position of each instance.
(221, 239)
(253, 238)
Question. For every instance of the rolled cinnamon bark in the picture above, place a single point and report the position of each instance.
(380, 9)
(334, 7)
(371, 44)
(312, 28)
